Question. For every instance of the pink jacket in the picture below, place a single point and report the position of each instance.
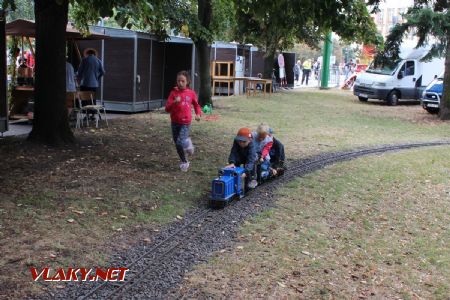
(180, 112)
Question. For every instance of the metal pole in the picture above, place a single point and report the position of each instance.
(326, 61)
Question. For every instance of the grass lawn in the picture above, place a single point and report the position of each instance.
(376, 227)
(75, 205)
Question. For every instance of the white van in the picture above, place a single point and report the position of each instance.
(403, 79)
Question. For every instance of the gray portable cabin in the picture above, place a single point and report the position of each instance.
(140, 70)
(289, 61)
(257, 64)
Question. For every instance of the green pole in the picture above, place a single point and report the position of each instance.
(326, 61)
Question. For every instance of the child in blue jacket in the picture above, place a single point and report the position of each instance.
(243, 152)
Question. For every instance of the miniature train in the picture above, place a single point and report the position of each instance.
(230, 184)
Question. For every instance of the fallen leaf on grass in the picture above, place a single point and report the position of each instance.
(281, 284)
(78, 212)
(306, 253)
(383, 218)
(240, 247)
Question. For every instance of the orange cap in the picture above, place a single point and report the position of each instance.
(244, 134)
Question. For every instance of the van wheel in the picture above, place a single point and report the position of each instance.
(392, 98)
(363, 99)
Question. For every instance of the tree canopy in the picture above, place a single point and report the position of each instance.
(276, 25)
(23, 9)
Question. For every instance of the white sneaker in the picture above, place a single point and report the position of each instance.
(184, 166)
(252, 184)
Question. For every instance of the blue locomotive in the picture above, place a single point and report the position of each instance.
(228, 185)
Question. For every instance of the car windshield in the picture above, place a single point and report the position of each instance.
(384, 69)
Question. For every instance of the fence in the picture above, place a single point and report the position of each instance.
(334, 80)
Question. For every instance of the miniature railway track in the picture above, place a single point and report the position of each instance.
(149, 275)
(155, 252)
(310, 165)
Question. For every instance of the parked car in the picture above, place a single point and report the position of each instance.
(432, 95)
(402, 79)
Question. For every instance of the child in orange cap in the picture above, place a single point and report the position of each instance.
(243, 152)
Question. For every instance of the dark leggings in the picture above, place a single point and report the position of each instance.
(180, 134)
(305, 75)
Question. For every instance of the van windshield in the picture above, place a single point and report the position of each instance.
(387, 68)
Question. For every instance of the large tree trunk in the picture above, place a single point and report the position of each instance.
(204, 16)
(51, 124)
(268, 64)
(444, 109)
(204, 54)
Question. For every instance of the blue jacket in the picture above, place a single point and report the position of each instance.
(90, 71)
(246, 156)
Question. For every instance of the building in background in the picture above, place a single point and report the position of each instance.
(390, 14)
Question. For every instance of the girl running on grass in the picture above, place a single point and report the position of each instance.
(179, 106)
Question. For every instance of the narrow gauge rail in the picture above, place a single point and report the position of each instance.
(170, 243)
(151, 262)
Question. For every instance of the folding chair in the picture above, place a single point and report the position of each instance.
(97, 108)
(74, 107)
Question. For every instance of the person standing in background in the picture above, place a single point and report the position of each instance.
(281, 65)
(70, 78)
(306, 70)
(90, 71)
(297, 70)
(71, 86)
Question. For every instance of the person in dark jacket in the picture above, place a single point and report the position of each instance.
(243, 152)
(90, 71)
(277, 157)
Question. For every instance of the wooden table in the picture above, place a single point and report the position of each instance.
(251, 83)
(218, 81)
